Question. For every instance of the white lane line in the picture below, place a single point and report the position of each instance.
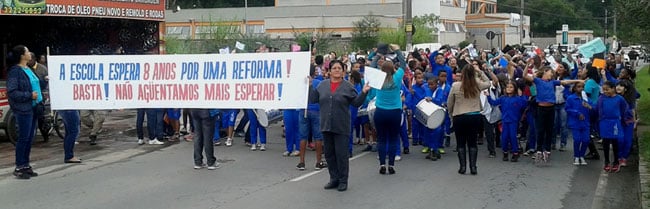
(315, 172)
(599, 195)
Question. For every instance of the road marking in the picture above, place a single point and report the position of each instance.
(599, 196)
(315, 172)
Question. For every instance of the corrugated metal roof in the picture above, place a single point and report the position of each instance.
(260, 13)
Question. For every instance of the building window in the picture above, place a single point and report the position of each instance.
(214, 31)
(181, 32)
(446, 2)
(490, 8)
(476, 7)
(255, 29)
(462, 28)
(453, 27)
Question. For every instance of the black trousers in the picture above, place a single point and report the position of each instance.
(335, 147)
(466, 129)
(544, 124)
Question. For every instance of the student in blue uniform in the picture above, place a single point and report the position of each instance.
(355, 79)
(256, 129)
(512, 106)
(405, 95)
(546, 100)
(577, 111)
(418, 95)
(291, 130)
(611, 109)
(439, 97)
(432, 137)
(625, 88)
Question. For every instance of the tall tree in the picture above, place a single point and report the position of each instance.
(365, 34)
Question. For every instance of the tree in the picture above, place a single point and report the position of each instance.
(425, 32)
(548, 16)
(632, 20)
(322, 39)
(365, 34)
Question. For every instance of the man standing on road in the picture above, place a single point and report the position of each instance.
(93, 119)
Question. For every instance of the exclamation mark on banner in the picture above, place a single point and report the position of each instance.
(106, 90)
(288, 68)
(279, 91)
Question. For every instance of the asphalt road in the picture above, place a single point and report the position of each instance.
(149, 176)
(120, 174)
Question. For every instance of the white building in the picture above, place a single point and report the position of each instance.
(482, 17)
(336, 16)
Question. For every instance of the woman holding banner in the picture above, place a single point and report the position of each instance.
(25, 101)
(335, 97)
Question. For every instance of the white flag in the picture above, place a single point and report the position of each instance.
(240, 46)
(224, 50)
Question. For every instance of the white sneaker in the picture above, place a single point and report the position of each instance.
(263, 147)
(76, 142)
(398, 158)
(286, 153)
(140, 142)
(583, 161)
(295, 153)
(253, 147)
(228, 142)
(155, 142)
(576, 161)
(198, 166)
(215, 166)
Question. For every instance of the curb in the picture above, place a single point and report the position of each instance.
(644, 183)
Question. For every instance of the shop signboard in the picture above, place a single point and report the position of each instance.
(129, 9)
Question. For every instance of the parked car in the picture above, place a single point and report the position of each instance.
(52, 122)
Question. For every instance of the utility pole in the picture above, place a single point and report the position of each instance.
(245, 16)
(521, 25)
(615, 22)
(604, 5)
(408, 24)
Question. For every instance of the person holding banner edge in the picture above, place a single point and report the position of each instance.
(334, 97)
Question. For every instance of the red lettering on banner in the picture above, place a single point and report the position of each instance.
(168, 92)
(87, 92)
(217, 91)
(164, 71)
(254, 92)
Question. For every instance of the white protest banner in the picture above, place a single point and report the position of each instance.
(261, 81)
(374, 77)
(551, 61)
(593, 47)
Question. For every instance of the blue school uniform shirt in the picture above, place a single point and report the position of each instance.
(574, 109)
(388, 98)
(419, 92)
(314, 106)
(440, 95)
(406, 94)
(512, 107)
(610, 114)
(546, 90)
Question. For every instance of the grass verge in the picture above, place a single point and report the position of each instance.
(643, 109)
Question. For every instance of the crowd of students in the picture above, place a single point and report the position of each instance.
(522, 100)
